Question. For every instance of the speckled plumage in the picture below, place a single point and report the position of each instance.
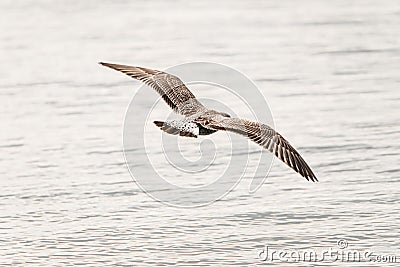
(202, 121)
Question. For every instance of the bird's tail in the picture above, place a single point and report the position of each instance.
(175, 129)
(159, 123)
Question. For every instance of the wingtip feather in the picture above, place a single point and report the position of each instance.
(110, 65)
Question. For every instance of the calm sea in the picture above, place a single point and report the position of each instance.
(330, 71)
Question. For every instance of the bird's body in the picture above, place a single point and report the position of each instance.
(199, 120)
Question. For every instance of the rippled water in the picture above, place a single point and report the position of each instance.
(330, 71)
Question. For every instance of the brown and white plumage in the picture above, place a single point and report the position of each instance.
(207, 121)
(170, 87)
(268, 138)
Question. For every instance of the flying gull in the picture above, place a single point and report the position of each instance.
(199, 120)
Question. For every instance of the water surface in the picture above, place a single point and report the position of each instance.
(330, 71)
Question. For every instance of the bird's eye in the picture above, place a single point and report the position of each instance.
(226, 115)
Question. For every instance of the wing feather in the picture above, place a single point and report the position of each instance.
(171, 88)
(269, 139)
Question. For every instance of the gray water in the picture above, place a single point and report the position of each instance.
(330, 72)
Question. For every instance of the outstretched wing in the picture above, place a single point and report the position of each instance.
(268, 138)
(170, 87)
